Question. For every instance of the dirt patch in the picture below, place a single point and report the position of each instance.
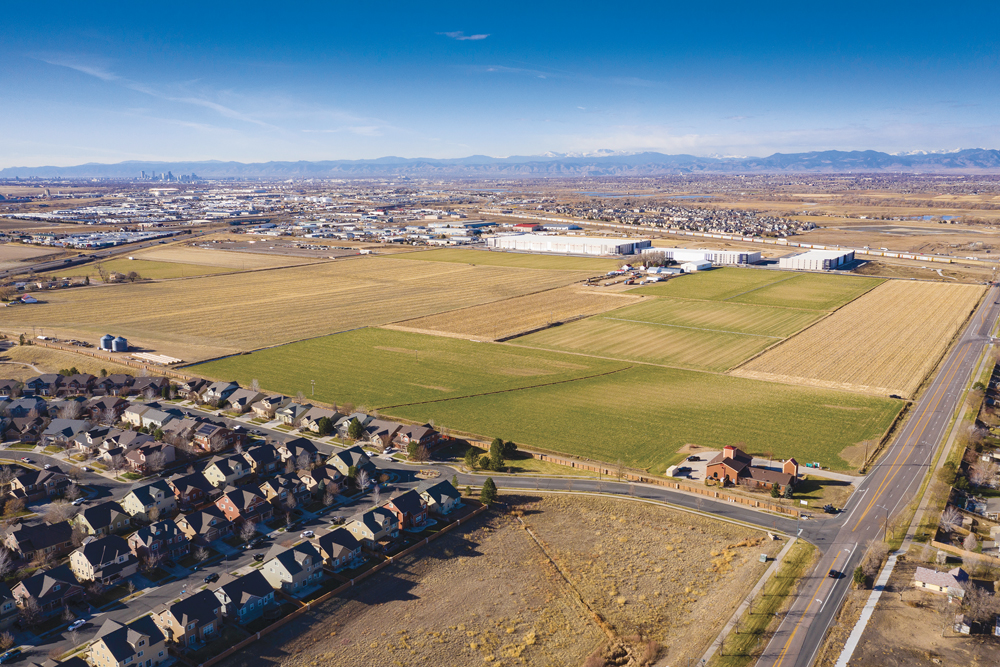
(396, 349)
(841, 407)
(429, 386)
(855, 454)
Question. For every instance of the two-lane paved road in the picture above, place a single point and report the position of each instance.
(887, 489)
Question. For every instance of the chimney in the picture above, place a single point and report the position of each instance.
(728, 451)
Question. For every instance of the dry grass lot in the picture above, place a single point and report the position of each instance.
(50, 361)
(487, 594)
(523, 313)
(214, 315)
(13, 255)
(593, 265)
(883, 343)
(185, 254)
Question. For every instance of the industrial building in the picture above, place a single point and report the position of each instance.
(817, 260)
(569, 245)
(695, 266)
(681, 255)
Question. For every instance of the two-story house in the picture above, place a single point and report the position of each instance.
(219, 392)
(243, 598)
(267, 406)
(141, 501)
(23, 407)
(150, 385)
(106, 408)
(214, 438)
(343, 425)
(36, 484)
(422, 436)
(138, 644)
(150, 457)
(107, 560)
(192, 489)
(147, 416)
(310, 420)
(374, 528)
(293, 569)
(8, 608)
(33, 542)
(192, 389)
(291, 413)
(263, 459)
(64, 430)
(339, 548)
(245, 503)
(381, 432)
(317, 479)
(352, 457)
(410, 509)
(104, 519)
(225, 471)
(42, 385)
(442, 498)
(190, 621)
(241, 399)
(298, 449)
(205, 525)
(279, 488)
(161, 539)
(81, 383)
(52, 590)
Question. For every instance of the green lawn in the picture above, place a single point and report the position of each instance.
(714, 285)
(513, 259)
(149, 269)
(377, 367)
(644, 415)
(718, 316)
(22, 446)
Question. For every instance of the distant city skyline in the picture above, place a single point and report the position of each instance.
(331, 81)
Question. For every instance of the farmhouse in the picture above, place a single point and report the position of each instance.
(734, 466)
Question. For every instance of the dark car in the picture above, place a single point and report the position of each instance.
(258, 557)
(211, 577)
(895, 396)
(683, 469)
(694, 458)
(829, 509)
(10, 655)
(833, 574)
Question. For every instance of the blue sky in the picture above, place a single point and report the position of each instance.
(105, 82)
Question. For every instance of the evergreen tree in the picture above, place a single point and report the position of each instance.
(470, 458)
(355, 430)
(489, 493)
(496, 454)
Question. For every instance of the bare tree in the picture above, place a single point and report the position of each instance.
(951, 519)
(970, 543)
(376, 494)
(254, 385)
(153, 514)
(329, 494)
(31, 611)
(303, 461)
(7, 476)
(149, 393)
(200, 554)
(117, 463)
(978, 604)
(362, 478)
(217, 442)
(156, 461)
(6, 563)
(982, 473)
(72, 491)
(247, 530)
(107, 417)
(78, 536)
(130, 585)
(300, 397)
(6, 641)
(71, 410)
(59, 511)
(13, 508)
(67, 615)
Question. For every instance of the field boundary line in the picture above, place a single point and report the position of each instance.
(681, 326)
(783, 340)
(505, 391)
(627, 361)
(776, 282)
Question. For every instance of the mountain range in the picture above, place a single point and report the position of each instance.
(552, 165)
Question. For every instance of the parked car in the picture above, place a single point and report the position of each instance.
(258, 557)
(76, 624)
(9, 655)
(47, 466)
(211, 577)
(79, 501)
(829, 509)
(307, 533)
(26, 460)
(694, 458)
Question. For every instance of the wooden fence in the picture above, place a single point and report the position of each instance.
(340, 589)
(151, 368)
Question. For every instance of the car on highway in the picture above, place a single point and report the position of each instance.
(9, 655)
(26, 459)
(79, 501)
(211, 577)
(78, 623)
(833, 574)
(307, 533)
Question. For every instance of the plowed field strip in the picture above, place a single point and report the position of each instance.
(678, 326)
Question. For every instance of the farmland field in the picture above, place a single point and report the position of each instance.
(886, 342)
(593, 265)
(225, 313)
(643, 415)
(521, 313)
(379, 367)
(228, 259)
(153, 270)
(13, 255)
(765, 288)
(724, 316)
(653, 343)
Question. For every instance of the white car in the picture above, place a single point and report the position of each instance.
(76, 624)
(307, 533)
(79, 501)
(47, 466)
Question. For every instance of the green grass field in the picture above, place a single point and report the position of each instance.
(149, 269)
(644, 415)
(811, 291)
(719, 316)
(378, 367)
(653, 343)
(513, 259)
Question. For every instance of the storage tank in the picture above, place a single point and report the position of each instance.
(106, 341)
(119, 345)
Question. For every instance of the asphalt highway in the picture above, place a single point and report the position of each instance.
(888, 488)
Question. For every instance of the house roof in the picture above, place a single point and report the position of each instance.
(102, 515)
(200, 608)
(32, 477)
(51, 584)
(154, 532)
(123, 640)
(315, 414)
(769, 476)
(242, 590)
(953, 578)
(203, 521)
(187, 483)
(244, 497)
(409, 503)
(442, 490)
(41, 536)
(297, 446)
(227, 464)
(734, 460)
(353, 456)
(66, 428)
(262, 454)
(146, 494)
(293, 559)
(337, 542)
(104, 550)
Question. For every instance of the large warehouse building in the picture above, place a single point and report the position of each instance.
(569, 245)
(817, 260)
(681, 255)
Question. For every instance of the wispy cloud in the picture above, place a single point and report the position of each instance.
(87, 68)
(462, 37)
(569, 76)
(360, 130)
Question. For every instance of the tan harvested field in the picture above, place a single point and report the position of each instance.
(886, 342)
(204, 317)
(51, 361)
(487, 594)
(184, 254)
(523, 313)
(13, 255)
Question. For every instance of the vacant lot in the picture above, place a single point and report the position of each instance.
(13, 255)
(593, 265)
(379, 367)
(228, 259)
(51, 361)
(487, 593)
(214, 315)
(727, 316)
(643, 415)
(151, 270)
(523, 313)
(652, 343)
(884, 343)
(765, 288)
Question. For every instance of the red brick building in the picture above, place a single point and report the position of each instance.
(734, 466)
